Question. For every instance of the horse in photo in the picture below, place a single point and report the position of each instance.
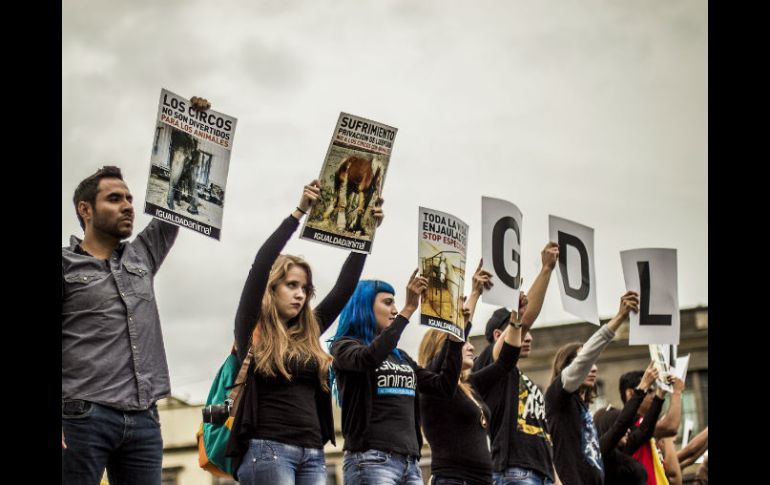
(355, 180)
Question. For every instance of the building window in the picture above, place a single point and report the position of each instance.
(695, 402)
(223, 481)
(703, 385)
(702, 320)
(170, 476)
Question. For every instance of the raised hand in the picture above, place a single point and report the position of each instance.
(523, 302)
(414, 290)
(482, 279)
(628, 302)
(311, 193)
(649, 377)
(550, 255)
(676, 383)
(200, 104)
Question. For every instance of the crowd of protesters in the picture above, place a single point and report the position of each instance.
(485, 420)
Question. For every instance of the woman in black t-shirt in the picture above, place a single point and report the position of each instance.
(285, 414)
(457, 428)
(377, 385)
(577, 456)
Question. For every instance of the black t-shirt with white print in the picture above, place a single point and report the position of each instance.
(395, 384)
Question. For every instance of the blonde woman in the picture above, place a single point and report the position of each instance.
(457, 427)
(285, 414)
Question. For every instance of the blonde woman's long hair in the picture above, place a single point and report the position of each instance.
(276, 343)
(430, 347)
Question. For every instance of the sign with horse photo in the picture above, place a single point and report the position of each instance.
(351, 179)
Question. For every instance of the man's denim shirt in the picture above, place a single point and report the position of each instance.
(111, 340)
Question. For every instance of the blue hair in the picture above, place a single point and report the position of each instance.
(357, 320)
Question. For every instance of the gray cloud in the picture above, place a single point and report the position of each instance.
(594, 111)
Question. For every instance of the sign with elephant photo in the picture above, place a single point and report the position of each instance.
(188, 165)
(351, 179)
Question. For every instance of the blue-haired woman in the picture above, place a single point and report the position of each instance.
(376, 385)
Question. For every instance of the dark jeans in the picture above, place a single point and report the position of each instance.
(127, 443)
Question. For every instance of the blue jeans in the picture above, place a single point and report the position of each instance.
(520, 476)
(439, 480)
(375, 467)
(127, 443)
(268, 461)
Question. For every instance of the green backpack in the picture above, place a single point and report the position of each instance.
(212, 436)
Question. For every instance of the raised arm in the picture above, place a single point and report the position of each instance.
(157, 239)
(351, 355)
(625, 419)
(442, 383)
(548, 256)
(437, 362)
(668, 425)
(250, 303)
(527, 316)
(482, 280)
(514, 331)
(505, 353)
(694, 449)
(671, 464)
(643, 433)
(331, 306)
(486, 378)
(575, 373)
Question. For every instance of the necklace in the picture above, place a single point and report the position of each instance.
(482, 418)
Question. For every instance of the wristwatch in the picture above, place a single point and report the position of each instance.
(515, 325)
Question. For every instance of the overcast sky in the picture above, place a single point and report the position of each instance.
(595, 111)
